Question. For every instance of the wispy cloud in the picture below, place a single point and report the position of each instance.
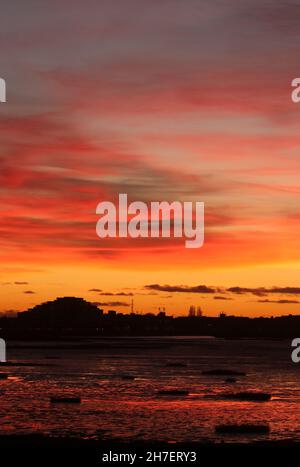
(282, 302)
(219, 297)
(117, 294)
(236, 290)
(261, 291)
(182, 288)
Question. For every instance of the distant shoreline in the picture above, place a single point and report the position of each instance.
(75, 318)
(105, 342)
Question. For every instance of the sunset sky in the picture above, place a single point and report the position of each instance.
(163, 100)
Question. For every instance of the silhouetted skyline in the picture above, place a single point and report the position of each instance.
(67, 317)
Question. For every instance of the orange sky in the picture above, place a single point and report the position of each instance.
(189, 103)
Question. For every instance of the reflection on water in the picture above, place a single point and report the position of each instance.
(118, 407)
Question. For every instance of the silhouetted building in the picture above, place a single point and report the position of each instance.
(65, 315)
(112, 313)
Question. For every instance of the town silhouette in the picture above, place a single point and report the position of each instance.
(72, 316)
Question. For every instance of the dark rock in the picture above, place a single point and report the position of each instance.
(65, 400)
(128, 377)
(173, 392)
(249, 396)
(223, 372)
(242, 428)
(176, 365)
(230, 380)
